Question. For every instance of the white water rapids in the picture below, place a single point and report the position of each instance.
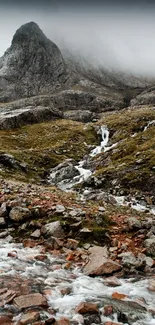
(51, 274)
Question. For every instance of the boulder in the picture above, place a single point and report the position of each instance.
(29, 318)
(149, 244)
(31, 300)
(86, 307)
(99, 263)
(18, 214)
(64, 171)
(53, 229)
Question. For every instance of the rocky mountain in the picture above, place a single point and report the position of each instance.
(34, 73)
(32, 65)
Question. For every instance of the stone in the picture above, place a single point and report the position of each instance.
(134, 223)
(36, 233)
(151, 286)
(31, 300)
(64, 171)
(63, 321)
(99, 263)
(111, 323)
(112, 281)
(86, 307)
(72, 243)
(3, 210)
(118, 296)
(128, 259)
(108, 310)
(2, 221)
(60, 208)
(33, 78)
(18, 214)
(5, 320)
(29, 318)
(6, 296)
(53, 229)
(90, 319)
(149, 244)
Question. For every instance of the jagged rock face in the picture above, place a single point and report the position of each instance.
(32, 65)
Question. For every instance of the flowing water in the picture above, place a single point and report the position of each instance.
(52, 274)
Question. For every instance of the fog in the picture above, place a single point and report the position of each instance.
(114, 38)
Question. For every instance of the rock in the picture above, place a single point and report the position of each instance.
(31, 300)
(18, 214)
(111, 323)
(79, 115)
(23, 76)
(119, 296)
(64, 171)
(27, 115)
(99, 263)
(36, 233)
(5, 320)
(128, 259)
(108, 310)
(29, 318)
(112, 281)
(134, 223)
(149, 244)
(53, 229)
(6, 296)
(151, 286)
(3, 211)
(86, 307)
(60, 208)
(72, 243)
(90, 319)
(63, 321)
(2, 222)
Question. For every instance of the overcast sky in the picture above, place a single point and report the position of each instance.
(117, 34)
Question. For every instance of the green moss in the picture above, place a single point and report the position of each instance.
(43, 146)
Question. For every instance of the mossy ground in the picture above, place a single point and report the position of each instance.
(132, 162)
(43, 146)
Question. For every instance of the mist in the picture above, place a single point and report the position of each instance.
(115, 38)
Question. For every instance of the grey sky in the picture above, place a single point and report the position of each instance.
(122, 38)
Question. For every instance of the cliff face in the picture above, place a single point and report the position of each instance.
(32, 65)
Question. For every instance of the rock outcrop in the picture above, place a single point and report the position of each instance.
(32, 65)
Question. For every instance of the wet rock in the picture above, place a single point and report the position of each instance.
(6, 296)
(29, 318)
(119, 296)
(149, 244)
(112, 281)
(99, 263)
(63, 321)
(50, 321)
(53, 229)
(151, 286)
(108, 310)
(111, 323)
(31, 300)
(18, 214)
(65, 170)
(86, 307)
(3, 234)
(90, 319)
(5, 320)
(36, 233)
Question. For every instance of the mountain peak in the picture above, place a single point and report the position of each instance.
(28, 31)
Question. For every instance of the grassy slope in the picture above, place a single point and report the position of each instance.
(133, 160)
(43, 146)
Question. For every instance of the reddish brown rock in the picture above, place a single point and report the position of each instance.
(29, 318)
(31, 300)
(6, 296)
(99, 263)
(5, 320)
(111, 323)
(108, 310)
(63, 321)
(86, 307)
(119, 296)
